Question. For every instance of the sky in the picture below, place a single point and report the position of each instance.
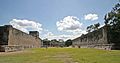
(54, 19)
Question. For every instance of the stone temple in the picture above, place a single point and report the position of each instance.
(100, 39)
(12, 39)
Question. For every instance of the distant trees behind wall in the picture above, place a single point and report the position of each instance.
(46, 41)
(68, 42)
(53, 43)
(57, 43)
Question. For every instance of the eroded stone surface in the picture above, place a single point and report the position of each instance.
(12, 39)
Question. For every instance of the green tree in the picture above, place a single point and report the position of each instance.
(54, 42)
(68, 42)
(89, 28)
(96, 26)
(112, 18)
(93, 27)
(46, 42)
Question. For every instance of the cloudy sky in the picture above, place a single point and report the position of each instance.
(60, 19)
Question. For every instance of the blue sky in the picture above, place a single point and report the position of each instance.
(57, 18)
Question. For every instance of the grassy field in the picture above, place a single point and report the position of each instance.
(61, 55)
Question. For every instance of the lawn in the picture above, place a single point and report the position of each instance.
(61, 55)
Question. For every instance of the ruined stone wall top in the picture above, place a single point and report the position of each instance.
(96, 37)
(17, 37)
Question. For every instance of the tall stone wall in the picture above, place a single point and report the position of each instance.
(17, 37)
(12, 39)
(95, 39)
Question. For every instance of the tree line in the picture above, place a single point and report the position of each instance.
(56, 43)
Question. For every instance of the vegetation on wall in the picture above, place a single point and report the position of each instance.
(112, 20)
(93, 27)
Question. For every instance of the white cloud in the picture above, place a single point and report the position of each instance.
(26, 25)
(69, 23)
(91, 17)
(63, 36)
(50, 35)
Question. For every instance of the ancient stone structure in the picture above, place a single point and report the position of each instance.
(101, 39)
(12, 39)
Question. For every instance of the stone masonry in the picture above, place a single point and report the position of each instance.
(99, 39)
(12, 39)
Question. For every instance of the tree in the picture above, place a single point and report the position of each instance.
(93, 27)
(68, 42)
(96, 26)
(54, 42)
(112, 18)
(89, 28)
(46, 42)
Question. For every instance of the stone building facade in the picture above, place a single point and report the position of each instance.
(101, 39)
(12, 39)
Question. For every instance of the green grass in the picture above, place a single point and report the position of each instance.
(61, 55)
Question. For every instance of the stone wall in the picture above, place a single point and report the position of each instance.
(12, 39)
(17, 37)
(95, 39)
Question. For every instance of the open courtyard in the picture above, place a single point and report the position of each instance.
(61, 55)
